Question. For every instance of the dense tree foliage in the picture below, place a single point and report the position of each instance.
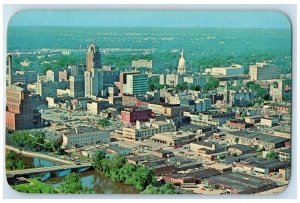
(14, 161)
(103, 123)
(261, 92)
(165, 189)
(153, 84)
(36, 186)
(120, 170)
(272, 155)
(211, 84)
(73, 185)
(182, 86)
(33, 141)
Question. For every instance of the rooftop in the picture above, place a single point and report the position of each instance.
(241, 182)
(82, 129)
(258, 136)
(241, 147)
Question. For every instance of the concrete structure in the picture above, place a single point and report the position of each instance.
(215, 118)
(52, 75)
(46, 88)
(77, 86)
(253, 119)
(240, 183)
(269, 121)
(135, 114)
(96, 107)
(144, 131)
(241, 97)
(97, 81)
(174, 138)
(20, 113)
(93, 59)
(202, 105)
(141, 63)
(63, 75)
(167, 110)
(263, 141)
(76, 69)
(82, 136)
(276, 91)
(257, 165)
(26, 77)
(171, 79)
(234, 69)
(240, 149)
(135, 84)
(263, 71)
(238, 124)
(9, 80)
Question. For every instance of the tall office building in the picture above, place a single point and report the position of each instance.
(52, 75)
(77, 86)
(135, 84)
(77, 69)
(98, 81)
(93, 59)
(8, 69)
(46, 88)
(263, 71)
(20, 113)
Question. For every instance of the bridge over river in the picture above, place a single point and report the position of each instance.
(31, 171)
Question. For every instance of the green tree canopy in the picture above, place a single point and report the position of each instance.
(36, 186)
(211, 84)
(14, 161)
(73, 185)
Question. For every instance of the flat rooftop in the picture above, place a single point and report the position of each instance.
(82, 129)
(242, 182)
(258, 136)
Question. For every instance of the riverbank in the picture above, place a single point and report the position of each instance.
(39, 155)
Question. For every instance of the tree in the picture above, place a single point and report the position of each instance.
(261, 92)
(72, 185)
(36, 186)
(14, 161)
(211, 84)
(142, 178)
(97, 159)
(104, 123)
(182, 86)
(272, 155)
(237, 140)
(165, 189)
(195, 87)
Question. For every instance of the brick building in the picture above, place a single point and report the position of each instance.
(20, 114)
(134, 114)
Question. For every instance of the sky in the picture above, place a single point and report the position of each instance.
(151, 18)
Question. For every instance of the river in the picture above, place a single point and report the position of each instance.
(91, 179)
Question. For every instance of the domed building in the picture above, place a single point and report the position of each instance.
(181, 69)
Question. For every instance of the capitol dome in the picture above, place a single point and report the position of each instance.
(181, 64)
